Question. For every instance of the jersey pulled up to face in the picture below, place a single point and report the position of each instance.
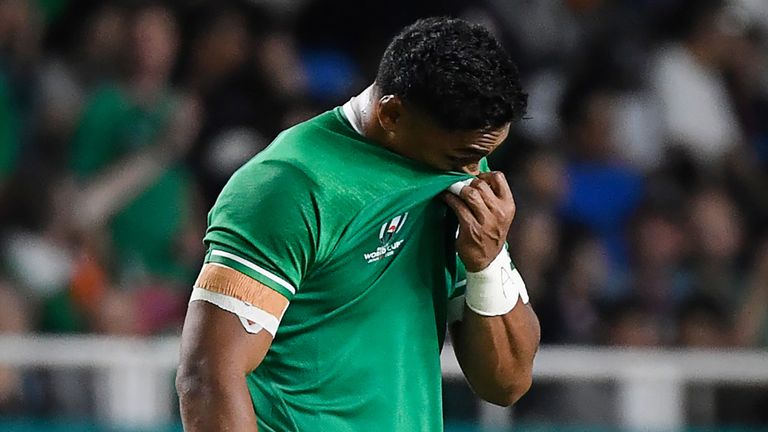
(358, 242)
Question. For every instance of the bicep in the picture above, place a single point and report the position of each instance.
(216, 354)
(214, 341)
(225, 308)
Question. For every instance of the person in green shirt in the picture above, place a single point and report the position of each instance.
(336, 258)
(126, 157)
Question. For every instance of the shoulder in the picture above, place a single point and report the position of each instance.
(261, 179)
(307, 141)
(311, 156)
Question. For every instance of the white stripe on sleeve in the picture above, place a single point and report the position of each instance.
(256, 268)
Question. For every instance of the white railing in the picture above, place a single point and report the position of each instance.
(135, 375)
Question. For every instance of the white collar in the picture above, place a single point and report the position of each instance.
(352, 115)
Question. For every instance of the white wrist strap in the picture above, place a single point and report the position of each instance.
(495, 290)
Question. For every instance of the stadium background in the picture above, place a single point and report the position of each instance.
(640, 177)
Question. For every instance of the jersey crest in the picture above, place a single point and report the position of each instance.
(387, 234)
(389, 229)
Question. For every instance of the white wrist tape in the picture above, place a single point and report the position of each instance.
(495, 290)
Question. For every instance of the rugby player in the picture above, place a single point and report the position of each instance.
(338, 256)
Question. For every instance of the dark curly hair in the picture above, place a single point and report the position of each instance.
(455, 72)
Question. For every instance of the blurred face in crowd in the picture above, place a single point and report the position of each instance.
(721, 35)
(590, 270)
(538, 237)
(715, 224)
(20, 27)
(702, 330)
(13, 15)
(594, 135)
(545, 177)
(659, 242)
(635, 328)
(155, 40)
(223, 47)
(104, 36)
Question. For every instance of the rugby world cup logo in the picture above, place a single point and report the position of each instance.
(389, 246)
(389, 229)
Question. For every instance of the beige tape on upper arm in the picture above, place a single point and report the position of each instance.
(229, 282)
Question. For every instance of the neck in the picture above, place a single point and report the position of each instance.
(365, 107)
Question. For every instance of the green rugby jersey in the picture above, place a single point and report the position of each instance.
(356, 238)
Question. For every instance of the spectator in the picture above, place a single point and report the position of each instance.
(658, 279)
(752, 318)
(125, 149)
(703, 323)
(9, 139)
(14, 319)
(244, 110)
(67, 77)
(571, 313)
(536, 238)
(687, 77)
(20, 36)
(602, 193)
(628, 323)
(717, 236)
(125, 156)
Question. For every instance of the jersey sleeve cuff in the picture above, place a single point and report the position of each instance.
(252, 270)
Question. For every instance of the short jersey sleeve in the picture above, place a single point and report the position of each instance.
(265, 225)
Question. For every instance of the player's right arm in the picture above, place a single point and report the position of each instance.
(216, 354)
(262, 239)
(230, 323)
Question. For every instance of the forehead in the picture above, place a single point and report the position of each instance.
(477, 138)
(454, 138)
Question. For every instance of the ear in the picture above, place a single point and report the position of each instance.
(389, 110)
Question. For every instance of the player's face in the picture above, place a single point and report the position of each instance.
(450, 150)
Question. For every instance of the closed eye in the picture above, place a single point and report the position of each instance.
(474, 153)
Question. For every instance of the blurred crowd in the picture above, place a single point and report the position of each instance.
(640, 172)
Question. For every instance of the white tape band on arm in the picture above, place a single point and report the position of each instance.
(495, 290)
(253, 318)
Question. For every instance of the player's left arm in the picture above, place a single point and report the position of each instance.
(495, 346)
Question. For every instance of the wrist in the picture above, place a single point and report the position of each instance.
(496, 289)
(472, 267)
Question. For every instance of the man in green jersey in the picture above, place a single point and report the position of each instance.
(334, 264)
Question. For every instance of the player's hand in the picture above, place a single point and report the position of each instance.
(485, 210)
